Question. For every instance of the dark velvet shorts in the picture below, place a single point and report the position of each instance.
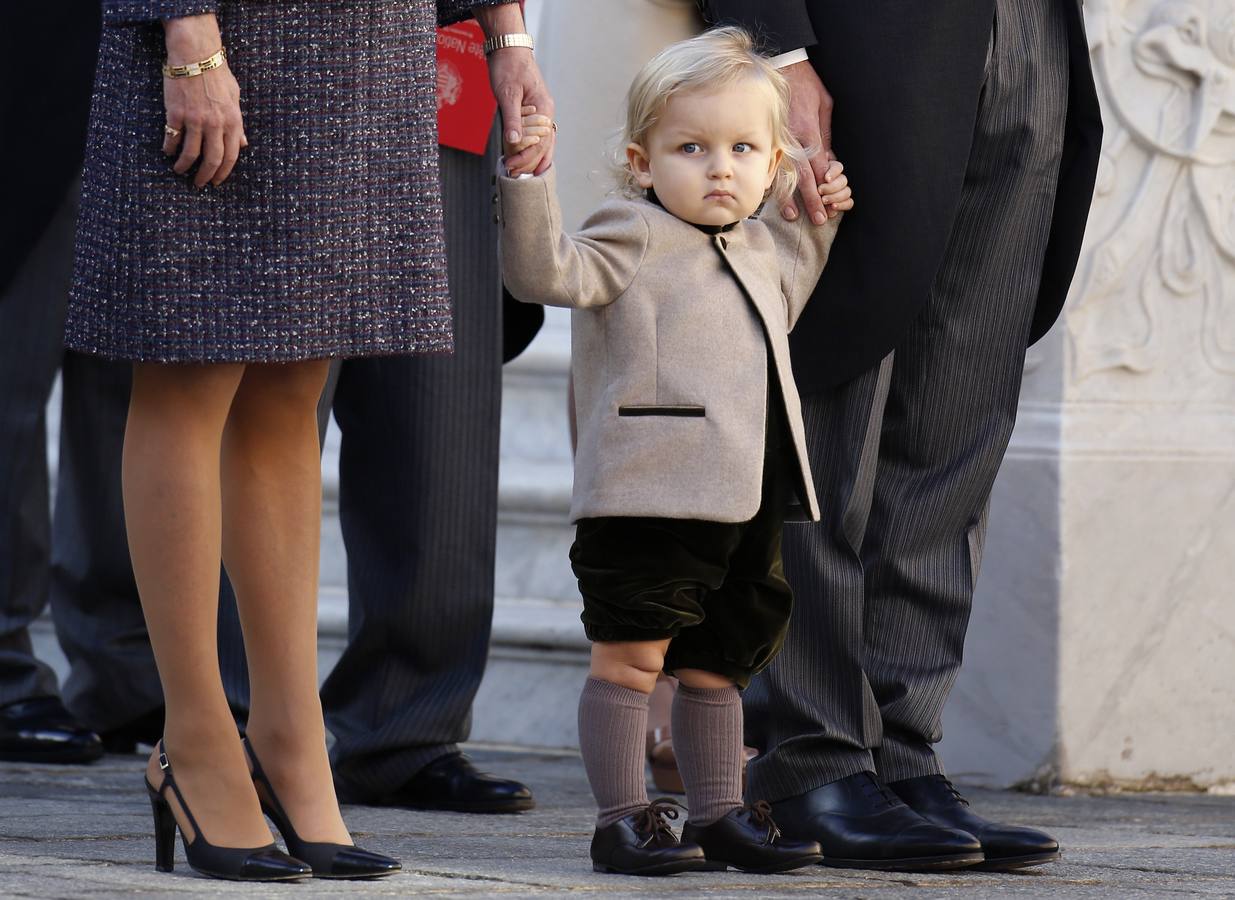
(717, 589)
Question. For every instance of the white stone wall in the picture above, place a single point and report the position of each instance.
(1103, 643)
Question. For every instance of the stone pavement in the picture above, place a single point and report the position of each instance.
(70, 832)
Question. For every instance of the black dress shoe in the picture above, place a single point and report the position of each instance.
(145, 729)
(1005, 846)
(452, 783)
(860, 824)
(644, 844)
(748, 839)
(43, 731)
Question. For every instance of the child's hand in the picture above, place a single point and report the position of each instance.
(834, 190)
(536, 129)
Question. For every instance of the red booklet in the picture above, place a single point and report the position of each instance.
(465, 102)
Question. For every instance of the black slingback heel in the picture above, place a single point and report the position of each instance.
(266, 863)
(326, 859)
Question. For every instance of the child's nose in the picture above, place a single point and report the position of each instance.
(722, 166)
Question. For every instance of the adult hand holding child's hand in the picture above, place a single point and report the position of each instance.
(537, 131)
(810, 120)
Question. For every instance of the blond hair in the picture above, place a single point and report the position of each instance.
(717, 58)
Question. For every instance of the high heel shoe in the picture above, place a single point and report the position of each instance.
(326, 859)
(266, 863)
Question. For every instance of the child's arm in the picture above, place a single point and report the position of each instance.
(803, 247)
(542, 264)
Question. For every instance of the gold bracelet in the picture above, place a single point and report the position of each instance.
(192, 70)
(502, 41)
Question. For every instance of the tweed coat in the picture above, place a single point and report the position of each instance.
(906, 80)
(671, 330)
(326, 241)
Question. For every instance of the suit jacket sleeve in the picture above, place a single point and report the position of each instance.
(802, 251)
(542, 264)
(125, 12)
(778, 25)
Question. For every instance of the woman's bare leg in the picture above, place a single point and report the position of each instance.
(271, 532)
(173, 515)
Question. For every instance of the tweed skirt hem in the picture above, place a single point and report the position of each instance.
(222, 355)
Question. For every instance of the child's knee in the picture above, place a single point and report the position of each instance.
(702, 680)
(632, 664)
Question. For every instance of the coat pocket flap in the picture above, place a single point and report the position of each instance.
(685, 410)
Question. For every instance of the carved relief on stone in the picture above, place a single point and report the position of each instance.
(1158, 275)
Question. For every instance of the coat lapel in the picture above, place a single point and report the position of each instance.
(760, 286)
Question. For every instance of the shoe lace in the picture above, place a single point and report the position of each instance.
(760, 813)
(951, 788)
(651, 820)
(876, 791)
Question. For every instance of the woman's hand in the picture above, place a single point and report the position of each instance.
(205, 109)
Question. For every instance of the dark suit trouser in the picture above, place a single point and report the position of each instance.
(32, 334)
(418, 510)
(905, 456)
(82, 561)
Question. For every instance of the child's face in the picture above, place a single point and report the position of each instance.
(710, 157)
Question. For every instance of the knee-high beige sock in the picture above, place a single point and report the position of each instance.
(612, 725)
(707, 741)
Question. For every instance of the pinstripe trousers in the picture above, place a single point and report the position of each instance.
(418, 510)
(905, 457)
(32, 333)
(78, 559)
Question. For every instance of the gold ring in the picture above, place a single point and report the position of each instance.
(171, 132)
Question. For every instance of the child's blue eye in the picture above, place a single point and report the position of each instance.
(742, 147)
(690, 148)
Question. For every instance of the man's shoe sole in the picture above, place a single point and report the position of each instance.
(909, 864)
(1011, 863)
(676, 867)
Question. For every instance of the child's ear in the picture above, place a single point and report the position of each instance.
(774, 168)
(640, 164)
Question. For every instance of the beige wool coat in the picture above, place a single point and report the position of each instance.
(671, 329)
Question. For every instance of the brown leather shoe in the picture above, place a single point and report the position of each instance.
(642, 843)
(746, 838)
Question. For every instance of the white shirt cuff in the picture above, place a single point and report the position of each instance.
(788, 59)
